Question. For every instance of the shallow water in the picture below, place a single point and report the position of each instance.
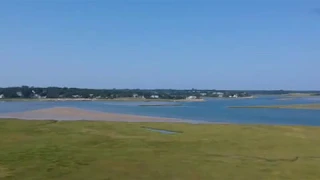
(213, 110)
(162, 131)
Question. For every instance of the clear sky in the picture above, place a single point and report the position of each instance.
(217, 44)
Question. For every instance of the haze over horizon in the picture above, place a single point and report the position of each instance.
(266, 45)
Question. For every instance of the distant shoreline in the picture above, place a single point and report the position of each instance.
(247, 97)
(159, 105)
(88, 99)
(117, 99)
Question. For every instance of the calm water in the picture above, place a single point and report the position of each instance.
(213, 110)
(162, 131)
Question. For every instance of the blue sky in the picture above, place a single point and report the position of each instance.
(230, 44)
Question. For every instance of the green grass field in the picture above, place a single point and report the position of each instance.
(82, 150)
(291, 106)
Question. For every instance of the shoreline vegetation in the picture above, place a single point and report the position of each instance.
(72, 150)
(117, 99)
(101, 99)
(291, 106)
(26, 92)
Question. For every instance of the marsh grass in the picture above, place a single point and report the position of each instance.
(78, 150)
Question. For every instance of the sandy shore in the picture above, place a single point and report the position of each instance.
(61, 113)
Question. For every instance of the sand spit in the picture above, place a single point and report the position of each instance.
(62, 113)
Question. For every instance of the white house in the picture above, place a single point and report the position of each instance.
(135, 95)
(19, 94)
(219, 94)
(192, 97)
(1, 96)
(154, 96)
(36, 96)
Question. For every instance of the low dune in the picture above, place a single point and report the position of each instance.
(61, 113)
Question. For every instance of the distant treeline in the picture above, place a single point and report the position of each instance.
(64, 92)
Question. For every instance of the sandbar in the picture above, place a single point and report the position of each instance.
(66, 113)
(292, 106)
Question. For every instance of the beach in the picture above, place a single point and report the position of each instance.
(66, 113)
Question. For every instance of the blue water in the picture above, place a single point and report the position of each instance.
(213, 110)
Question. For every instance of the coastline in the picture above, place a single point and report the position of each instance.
(248, 97)
(89, 99)
(160, 105)
(74, 114)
